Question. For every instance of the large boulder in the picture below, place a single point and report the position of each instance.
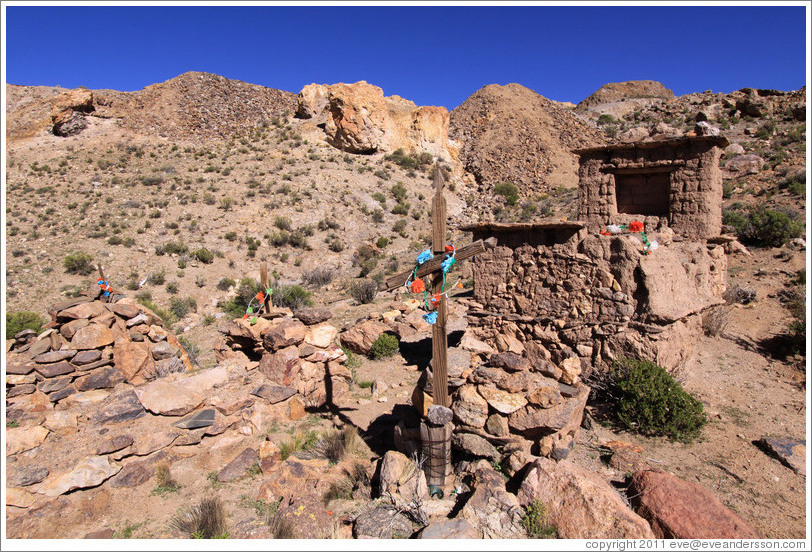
(494, 511)
(359, 338)
(679, 509)
(579, 504)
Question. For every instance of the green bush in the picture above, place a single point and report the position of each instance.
(293, 296)
(79, 263)
(182, 307)
(507, 190)
(651, 402)
(763, 226)
(22, 320)
(605, 119)
(224, 283)
(534, 520)
(246, 290)
(203, 255)
(385, 346)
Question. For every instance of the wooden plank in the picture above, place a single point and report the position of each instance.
(433, 265)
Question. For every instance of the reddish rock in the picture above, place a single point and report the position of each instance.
(313, 316)
(580, 505)
(92, 336)
(679, 509)
(238, 466)
(83, 310)
(360, 337)
(53, 370)
(54, 356)
(68, 330)
(286, 333)
(131, 357)
(281, 367)
(124, 310)
(85, 357)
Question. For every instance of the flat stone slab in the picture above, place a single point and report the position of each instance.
(273, 393)
(25, 475)
(54, 356)
(21, 439)
(56, 369)
(502, 401)
(119, 408)
(204, 418)
(124, 310)
(238, 466)
(92, 336)
(791, 452)
(86, 357)
(114, 444)
(105, 378)
(19, 368)
(90, 472)
(54, 384)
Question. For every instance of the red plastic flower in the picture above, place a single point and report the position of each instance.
(636, 226)
(418, 286)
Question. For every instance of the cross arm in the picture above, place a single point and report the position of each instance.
(433, 265)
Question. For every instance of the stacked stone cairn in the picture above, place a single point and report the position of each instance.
(296, 354)
(92, 344)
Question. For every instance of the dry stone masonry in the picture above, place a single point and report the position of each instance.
(675, 183)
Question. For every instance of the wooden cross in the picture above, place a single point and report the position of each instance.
(439, 337)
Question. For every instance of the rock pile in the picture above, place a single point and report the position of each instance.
(297, 355)
(91, 345)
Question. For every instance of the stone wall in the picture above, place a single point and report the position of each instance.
(689, 168)
(595, 298)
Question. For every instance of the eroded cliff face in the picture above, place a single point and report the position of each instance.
(358, 118)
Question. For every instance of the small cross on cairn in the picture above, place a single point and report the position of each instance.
(436, 437)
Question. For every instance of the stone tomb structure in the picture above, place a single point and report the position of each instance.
(675, 183)
(556, 301)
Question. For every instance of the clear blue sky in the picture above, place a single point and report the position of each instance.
(431, 55)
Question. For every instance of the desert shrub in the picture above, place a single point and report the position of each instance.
(297, 442)
(227, 203)
(225, 283)
(333, 446)
(319, 276)
(739, 294)
(605, 119)
(649, 401)
(763, 226)
(385, 346)
(797, 328)
(534, 519)
(192, 349)
(291, 296)
(401, 208)
(164, 482)
(795, 182)
(204, 520)
(382, 174)
(364, 291)
(79, 262)
(508, 191)
(172, 287)
(335, 244)
(182, 307)
(283, 223)
(22, 320)
(382, 242)
(399, 192)
(203, 255)
(714, 321)
(353, 482)
(246, 290)
(765, 130)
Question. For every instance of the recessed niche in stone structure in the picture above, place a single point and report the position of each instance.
(675, 181)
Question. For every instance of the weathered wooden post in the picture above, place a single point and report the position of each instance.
(435, 435)
(263, 278)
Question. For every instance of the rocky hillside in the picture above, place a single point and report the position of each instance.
(512, 134)
(623, 91)
(190, 105)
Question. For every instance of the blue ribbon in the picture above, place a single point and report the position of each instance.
(424, 256)
(430, 317)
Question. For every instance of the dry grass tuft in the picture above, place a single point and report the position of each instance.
(204, 520)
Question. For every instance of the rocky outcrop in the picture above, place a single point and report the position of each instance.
(679, 509)
(358, 118)
(68, 112)
(620, 91)
(579, 504)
